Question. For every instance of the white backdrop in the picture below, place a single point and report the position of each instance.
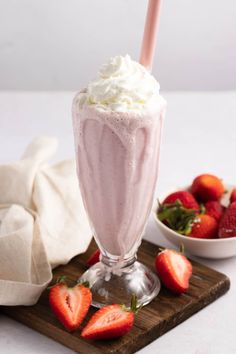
(59, 44)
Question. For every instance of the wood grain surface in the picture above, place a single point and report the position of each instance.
(162, 314)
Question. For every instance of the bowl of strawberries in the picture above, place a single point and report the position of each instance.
(201, 216)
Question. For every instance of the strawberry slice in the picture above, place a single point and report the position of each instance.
(111, 321)
(70, 305)
(94, 258)
(174, 270)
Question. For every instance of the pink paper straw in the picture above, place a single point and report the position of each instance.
(150, 33)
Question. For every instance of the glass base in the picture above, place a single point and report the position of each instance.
(116, 284)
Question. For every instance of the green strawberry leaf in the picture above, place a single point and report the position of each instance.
(177, 217)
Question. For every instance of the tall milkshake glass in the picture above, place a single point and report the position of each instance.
(117, 128)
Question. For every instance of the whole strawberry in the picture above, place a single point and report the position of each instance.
(214, 209)
(233, 196)
(186, 198)
(227, 226)
(111, 321)
(204, 226)
(187, 221)
(94, 258)
(174, 270)
(207, 187)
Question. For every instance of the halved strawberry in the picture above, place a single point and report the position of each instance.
(186, 199)
(70, 305)
(111, 321)
(94, 258)
(227, 226)
(174, 270)
(207, 187)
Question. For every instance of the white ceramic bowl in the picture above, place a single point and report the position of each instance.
(206, 248)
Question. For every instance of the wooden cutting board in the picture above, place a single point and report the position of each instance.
(162, 314)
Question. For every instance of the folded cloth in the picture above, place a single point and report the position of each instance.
(42, 222)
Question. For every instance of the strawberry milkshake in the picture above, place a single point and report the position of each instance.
(117, 129)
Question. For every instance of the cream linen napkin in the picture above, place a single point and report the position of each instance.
(42, 222)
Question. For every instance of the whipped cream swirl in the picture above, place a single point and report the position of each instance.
(123, 85)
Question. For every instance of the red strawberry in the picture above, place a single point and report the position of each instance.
(207, 187)
(111, 321)
(227, 226)
(174, 270)
(70, 305)
(94, 258)
(186, 198)
(233, 196)
(204, 226)
(214, 209)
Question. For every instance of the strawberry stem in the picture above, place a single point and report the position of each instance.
(202, 209)
(177, 217)
(134, 307)
(60, 279)
(160, 249)
(85, 284)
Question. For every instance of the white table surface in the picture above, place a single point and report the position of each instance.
(199, 136)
